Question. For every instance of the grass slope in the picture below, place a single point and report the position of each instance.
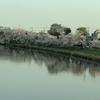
(74, 50)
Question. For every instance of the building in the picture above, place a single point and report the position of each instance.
(96, 35)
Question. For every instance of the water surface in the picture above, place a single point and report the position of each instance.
(34, 75)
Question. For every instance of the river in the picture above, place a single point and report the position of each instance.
(27, 74)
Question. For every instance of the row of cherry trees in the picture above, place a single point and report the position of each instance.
(21, 36)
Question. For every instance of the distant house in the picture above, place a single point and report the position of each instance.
(96, 35)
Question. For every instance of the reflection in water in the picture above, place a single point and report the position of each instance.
(53, 62)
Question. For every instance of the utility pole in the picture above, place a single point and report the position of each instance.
(19, 26)
(31, 29)
(44, 29)
(88, 30)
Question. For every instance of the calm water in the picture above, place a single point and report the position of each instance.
(34, 75)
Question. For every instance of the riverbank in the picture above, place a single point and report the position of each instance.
(82, 53)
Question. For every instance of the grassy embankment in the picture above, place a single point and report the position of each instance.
(83, 51)
(74, 51)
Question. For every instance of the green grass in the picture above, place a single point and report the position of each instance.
(79, 50)
(86, 51)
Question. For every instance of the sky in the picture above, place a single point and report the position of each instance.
(43, 13)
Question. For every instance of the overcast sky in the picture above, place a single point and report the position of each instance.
(42, 13)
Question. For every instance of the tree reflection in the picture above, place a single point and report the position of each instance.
(55, 63)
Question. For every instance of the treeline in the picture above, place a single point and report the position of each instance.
(57, 36)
